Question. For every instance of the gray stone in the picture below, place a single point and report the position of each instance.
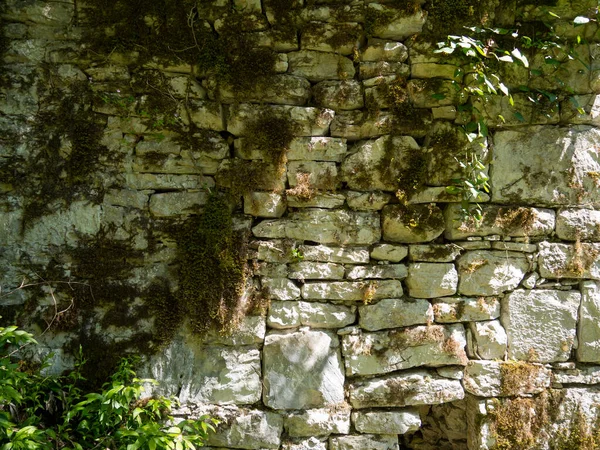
(388, 351)
(318, 422)
(143, 181)
(317, 149)
(395, 271)
(326, 315)
(588, 332)
(308, 270)
(283, 315)
(430, 280)
(490, 272)
(518, 164)
(342, 95)
(302, 370)
(367, 201)
(126, 198)
(281, 89)
(249, 331)
(264, 204)
(319, 66)
(307, 444)
(417, 387)
(433, 70)
(514, 247)
(318, 174)
(364, 441)
(421, 93)
(270, 270)
(356, 255)
(278, 251)
(246, 428)
(464, 309)
(487, 340)
(204, 114)
(575, 224)
(386, 422)
(501, 379)
(352, 291)
(581, 260)
(399, 25)
(281, 288)
(412, 223)
(382, 50)
(580, 375)
(326, 37)
(354, 125)
(395, 313)
(389, 252)
(369, 70)
(318, 200)
(540, 324)
(434, 252)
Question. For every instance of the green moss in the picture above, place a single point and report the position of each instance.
(271, 134)
(412, 178)
(448, 16)
(377, 18)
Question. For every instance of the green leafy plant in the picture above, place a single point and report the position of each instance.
(46, 412)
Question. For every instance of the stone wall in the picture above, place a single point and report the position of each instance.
(374, 314)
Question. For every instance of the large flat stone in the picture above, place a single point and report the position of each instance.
(319, 66)
(384, 422)
(430, 280)
(397, 24)
(581, 260)
(465, 309)
(352, 290)
(317, 422)
(395, 313)
(412, 223)
(573, 224)
(364, 441)
(501, 379)
(490, 272)
(356, 255)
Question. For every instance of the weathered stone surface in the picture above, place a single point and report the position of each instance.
(246, 428)
(590, 103)
(281, 288)
(264, 204)
(319, 66)
(318, 200)
(490, 272)
(318, 174)
(377, 165)
(369, 70)
(569, 261)
(307, 444)
(500, 379)
(417, 387)
(430, 280)
(302, 370)
(250, 331)
(389, 252)
(398, 25)
(420, 91)
(283, 315)
(352, 291)
(126, 198)
(464, 309)
(276, 250)
(318, 422)
(308, 270)
(574, 224)
(588, 331)
(378, 50)
(579, 375)
(342, 95)
(486, 340)
(144, 181)
(354, 125)
(270, 270)
(387, 351)
(342, 255)
(540, 324)
(395, 271)
(335, 227)
(386, 422)
(412, 223)
(326, 315)
(317, 149)
(395, 313)
(518, 164)
(367, 201)
(530, 113)
(204, 114)
(432, 70)
(514, 246)
(434, 252)
(327, 37)
(266, 177)
(499, 220)
(364, 441)
(282, 89)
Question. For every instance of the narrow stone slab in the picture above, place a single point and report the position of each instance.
(317, 422)
(574, 224)
(490, 272)
(319, 66)
(339, 95)
(394, 271)
(308, 270)
(245, 428)
(264, 204)
(399, 26)
(172, 204)
(540, 324)
(581, 260)
(395, 313)
(326, 200)
(354, 125)
(466, 309)
(352, 291)
(383, 50)
(367, 201)
(282, 89)
(502, 379)
(588, 332)
(389, 252)
(404, 389)
(283, 314)
(412, 223)
(317, 149)
(281, 288)
(384, 422)
(326, 315)
(387, 351)
(342, 255)
(430, 280)
(434, 252)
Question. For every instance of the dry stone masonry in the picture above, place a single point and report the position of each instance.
(374, 314)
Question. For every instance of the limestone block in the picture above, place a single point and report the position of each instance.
(501, 379)
(490, 272)
(519, 163)
(308, 270)
(590, 103)
(387, 351)
(412, 223)
(319, 66)
(540, 324)
(588, 331)
(207, 374)
(302, 370)
(395, 313)
(246, 429)
(382, 50)
(408, 388)
(514, 247)
(422, 93)
(367, 201)
(397, 25)
(250, 331)
(363, 441)
(204, 114)
(569, 261)
(395, 271)
(317, 149)
(318, 174)
(574, 224)
(487, 340)
(270, 270)
(339, 95)
(327, 37)
(434, 252)
(342, 255)
(372, 69)
(277, 251)
(126, 198)
(430, 280)
(317, 422)
(281, 288)
(582, 375)
(385, 422)
(498, 220)
(389, 252)
(465, 309)
(281, 89)
(283, 315)
(354, 125)
(352, 291)
(311, 443)
(335, 227)
(309, 121)
(326, 315)
(432, 70)
(377, 165)
(327, 200)
(264, 204)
